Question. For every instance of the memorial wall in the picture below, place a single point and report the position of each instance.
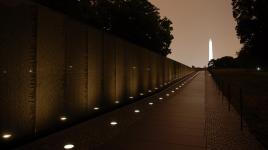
(54, 67)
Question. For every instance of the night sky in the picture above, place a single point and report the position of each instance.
(194, 22)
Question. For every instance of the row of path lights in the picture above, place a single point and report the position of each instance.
(149, 91)
(8, 135)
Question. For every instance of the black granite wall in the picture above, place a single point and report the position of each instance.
(53, 66)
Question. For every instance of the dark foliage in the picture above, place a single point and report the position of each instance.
(135, 20)
(252, 29)
(224, 62)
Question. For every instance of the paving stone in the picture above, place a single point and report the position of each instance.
(223, 127)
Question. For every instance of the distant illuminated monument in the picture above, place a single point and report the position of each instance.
(210, 53)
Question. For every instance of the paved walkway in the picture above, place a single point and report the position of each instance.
(191, 118)
(176, 124)
(223, 131)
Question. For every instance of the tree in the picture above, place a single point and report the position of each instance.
(224, 62)
(136, 20)
(165, 35)
(252, 29)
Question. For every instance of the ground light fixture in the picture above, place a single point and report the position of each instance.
(167, 95)
(141, 94)
(63, 118)
(149, 91)
(177, 88)
(6, 136)
(113, 123)
(68, 146)
(173, 91)
(150, 103)
(131, 97)
(117, 102)
(96, 108)
(160, 98)
(258, 68)
(137, 111)
(156, 88)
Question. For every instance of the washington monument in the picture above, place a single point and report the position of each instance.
(210, 51)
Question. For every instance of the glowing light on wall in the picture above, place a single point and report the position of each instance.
(4, 71)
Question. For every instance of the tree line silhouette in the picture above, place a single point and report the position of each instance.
(252, 30)
(136, 20)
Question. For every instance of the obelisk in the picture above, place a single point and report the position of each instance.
(210, 51)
